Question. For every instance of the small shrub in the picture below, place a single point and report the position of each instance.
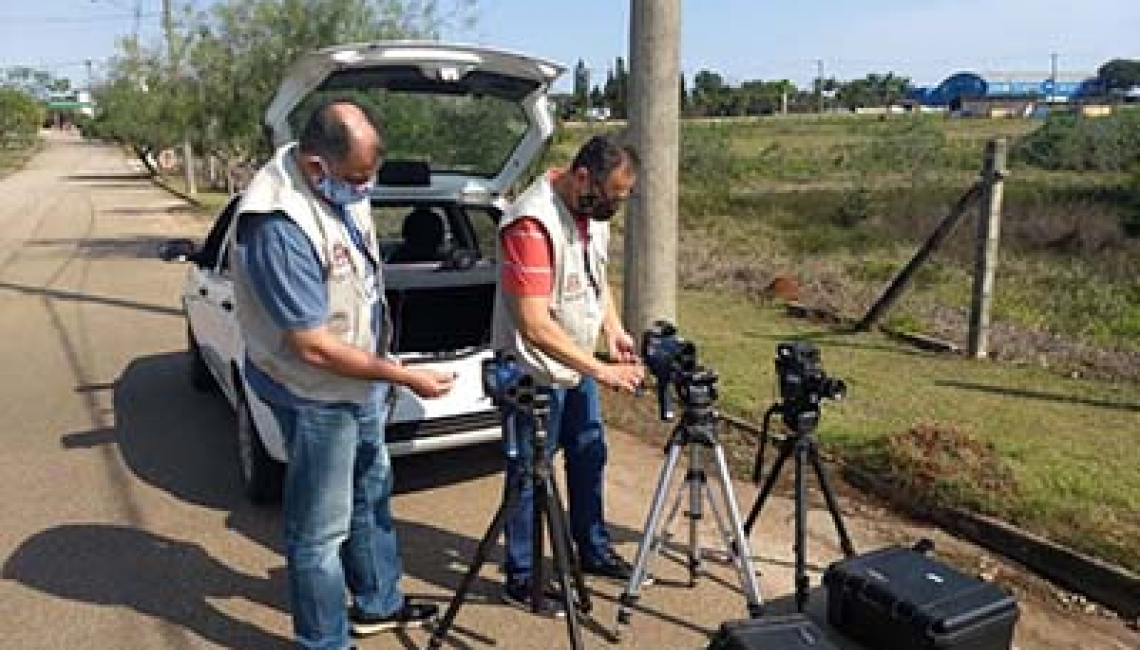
(942, 465)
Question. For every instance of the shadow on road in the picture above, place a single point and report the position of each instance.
(105, 248)
(108, 176)
(73, 296)
(170, 579)
(182, 442)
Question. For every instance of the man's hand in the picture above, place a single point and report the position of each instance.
(621, 346)
(429, 383)
(625, 377)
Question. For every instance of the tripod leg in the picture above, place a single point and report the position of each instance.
(725, 535)
(832, 504)
(785, 450)
(538, 544)
(649, 537)
(558, 515)
(672, 516)
(744, 553)
(802, 583)
(510, 501)
(558, 537)
(694, 479)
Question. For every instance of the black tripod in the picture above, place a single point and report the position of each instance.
(696, 432)
(801, 445)
(547, 509)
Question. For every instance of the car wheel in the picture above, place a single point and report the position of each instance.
(200, 376)
(261, 475)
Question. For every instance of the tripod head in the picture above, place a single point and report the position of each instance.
(803, 384)
(513, 389)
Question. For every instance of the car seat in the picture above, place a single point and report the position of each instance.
(423, 235)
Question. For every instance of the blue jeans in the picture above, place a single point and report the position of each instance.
(338, 526)
(575, 421)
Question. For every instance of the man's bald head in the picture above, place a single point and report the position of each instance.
(342, 136)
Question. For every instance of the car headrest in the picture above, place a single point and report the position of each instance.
(404, 173)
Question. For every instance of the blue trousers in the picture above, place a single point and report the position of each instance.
(338, 527)
(575, 422)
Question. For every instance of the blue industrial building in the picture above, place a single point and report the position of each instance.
(964, 86)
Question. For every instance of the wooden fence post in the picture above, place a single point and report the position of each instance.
(986, 252)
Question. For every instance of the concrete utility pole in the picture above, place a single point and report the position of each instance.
(650, 264)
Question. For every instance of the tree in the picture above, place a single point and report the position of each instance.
(581, 97)
(1120, 74)
(621, 89)
(217, 74)
(31, 81)
(710, 94)
(872, 90)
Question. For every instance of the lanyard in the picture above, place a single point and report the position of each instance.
(356, 236)
(584, 235)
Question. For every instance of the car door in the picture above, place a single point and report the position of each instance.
(209, 300)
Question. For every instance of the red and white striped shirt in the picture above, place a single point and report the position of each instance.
(527, 264)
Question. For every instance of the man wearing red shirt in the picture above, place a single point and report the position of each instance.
(551, 307)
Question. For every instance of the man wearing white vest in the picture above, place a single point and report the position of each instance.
(310, 304)
(551, 306)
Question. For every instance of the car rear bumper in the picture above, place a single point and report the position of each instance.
(437, 434)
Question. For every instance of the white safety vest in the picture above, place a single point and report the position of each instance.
(576, 300)
(354, 283)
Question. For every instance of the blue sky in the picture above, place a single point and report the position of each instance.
(741, 39)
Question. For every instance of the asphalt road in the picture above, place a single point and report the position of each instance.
(122, 522)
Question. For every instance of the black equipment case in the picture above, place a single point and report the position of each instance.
(791, 632)
(898, 598)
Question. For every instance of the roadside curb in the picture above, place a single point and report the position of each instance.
(1108, 584)
(161, 182)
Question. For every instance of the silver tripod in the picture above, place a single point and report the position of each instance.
(695, 432)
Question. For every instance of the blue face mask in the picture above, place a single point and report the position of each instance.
(341, 192)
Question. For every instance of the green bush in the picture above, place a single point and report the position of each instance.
(1075, 143)
(20, 117)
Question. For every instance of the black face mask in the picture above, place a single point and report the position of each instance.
(597, 206)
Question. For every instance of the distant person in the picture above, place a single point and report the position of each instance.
(309, 298)
(551, 307)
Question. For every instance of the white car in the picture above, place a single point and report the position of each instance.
(462, 125)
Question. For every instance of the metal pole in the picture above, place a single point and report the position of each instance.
(819, 83)
(1052, 79)
(650, 264)
(985, 258)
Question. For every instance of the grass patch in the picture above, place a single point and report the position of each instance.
(210, 203)
(834, 204)
(14, 155)
(1063, 451)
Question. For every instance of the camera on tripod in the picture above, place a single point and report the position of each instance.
(803, 383)
(506, 383)
(672, 360)
(511, 388)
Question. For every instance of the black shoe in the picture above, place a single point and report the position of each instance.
(517, 593)
(612, 566)
(411, 614)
